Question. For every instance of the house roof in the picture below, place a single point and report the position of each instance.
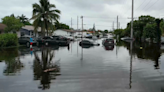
(28, 27)
(2, 26)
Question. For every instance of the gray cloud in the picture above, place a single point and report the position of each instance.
(100, 12)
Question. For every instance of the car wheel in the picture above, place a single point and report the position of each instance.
(28, 44)
(46, 43)
(80, 43)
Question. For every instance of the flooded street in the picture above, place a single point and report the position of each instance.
(88, 69)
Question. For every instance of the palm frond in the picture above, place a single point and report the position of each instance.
(52, 6)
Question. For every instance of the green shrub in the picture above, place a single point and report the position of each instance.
(7, 40)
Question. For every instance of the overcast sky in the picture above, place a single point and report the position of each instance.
(101, 12)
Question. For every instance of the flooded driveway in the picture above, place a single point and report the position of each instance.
(88, 69)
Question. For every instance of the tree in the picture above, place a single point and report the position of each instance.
(61, 26)
(119, 32)
(12, 24)
(150, 31)
(138, 26)
(162, 26)
(44, 68)
(106, 31)
(44, 14)
(24, 20)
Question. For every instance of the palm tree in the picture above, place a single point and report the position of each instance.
(44, 14)
(44, 68)
(23, 18)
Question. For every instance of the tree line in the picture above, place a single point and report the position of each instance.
(145, 27)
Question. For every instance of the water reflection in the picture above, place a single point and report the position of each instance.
(45, 69)
(86, 46)
(144, 51)
(131, 64)
(13, 66)
(8, 54)
(11, 58)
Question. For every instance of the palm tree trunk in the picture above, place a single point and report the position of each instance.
(42, 32)
(47, 32)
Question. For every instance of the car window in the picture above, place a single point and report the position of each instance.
(85, 41)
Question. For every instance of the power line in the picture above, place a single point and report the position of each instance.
(95, 25)
(146, 5)
(141, 4)
(152, 4)
(102, 17)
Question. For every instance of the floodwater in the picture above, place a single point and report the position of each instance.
(124, 67)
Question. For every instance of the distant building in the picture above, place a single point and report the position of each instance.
(64, 32)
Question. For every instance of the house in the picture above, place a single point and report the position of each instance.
(64, 32)
(29, 31)
(84, 33)
(25, 30)
(2, 29)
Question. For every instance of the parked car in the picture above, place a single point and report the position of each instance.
(105, 36)
(86, 46)
(88, 36)
(110, 47)
(25, 40)
(88, 42)
(70, 38)
(62, 41)
(108, 41)
(40, 41)
(47, 40)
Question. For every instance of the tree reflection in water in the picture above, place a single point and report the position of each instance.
(145, 51)
(12, 60)
(44, 68)
(13, 66)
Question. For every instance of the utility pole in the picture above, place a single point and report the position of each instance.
(113, 25)
(71, 22)
(132, 20)
(82, 26)
(117, 22)
(82, 39)
(77, 22)
(119, 25)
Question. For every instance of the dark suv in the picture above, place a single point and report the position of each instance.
(62, 41)
(25, 40)
(47, 40)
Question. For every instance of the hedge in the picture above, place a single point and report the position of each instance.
(7, 40)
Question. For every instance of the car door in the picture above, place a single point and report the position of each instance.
(25, 40)
(20, 40)
(85, 42)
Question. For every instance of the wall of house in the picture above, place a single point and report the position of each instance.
(18, 34)
(80, 33)
(61, 32)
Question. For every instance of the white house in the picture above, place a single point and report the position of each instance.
(80, 33)
(64, 32)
